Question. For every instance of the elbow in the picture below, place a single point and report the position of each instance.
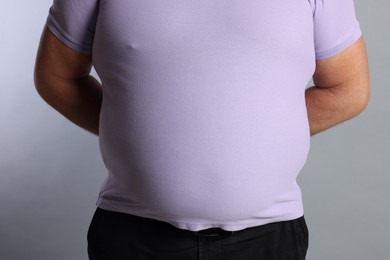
(43, 83)
(365, 97)
(361, 99)
(39, 84)
(47, 88)
(39, 79)
(366, 101)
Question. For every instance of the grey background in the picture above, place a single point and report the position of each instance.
(51, 170)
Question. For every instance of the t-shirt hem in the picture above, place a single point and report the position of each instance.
(65, 38)
(196, 226)
(353, 37)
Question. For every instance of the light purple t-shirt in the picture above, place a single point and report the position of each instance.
(203, 122)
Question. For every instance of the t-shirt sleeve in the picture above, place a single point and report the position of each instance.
(73, 22)
(335, 26)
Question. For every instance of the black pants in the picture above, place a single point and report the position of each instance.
(119, 236)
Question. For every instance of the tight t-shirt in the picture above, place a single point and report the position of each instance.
(203, 120)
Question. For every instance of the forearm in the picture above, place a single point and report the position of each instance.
(78, 100)
(327, 107)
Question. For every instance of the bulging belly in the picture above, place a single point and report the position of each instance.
(200, 161)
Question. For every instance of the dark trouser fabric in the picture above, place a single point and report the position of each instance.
(118, 236)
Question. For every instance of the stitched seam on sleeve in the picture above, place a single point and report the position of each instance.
(66, 38)
(353, 36)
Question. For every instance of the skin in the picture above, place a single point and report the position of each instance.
(341, 88)
(62, 79)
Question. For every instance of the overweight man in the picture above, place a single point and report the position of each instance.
(203, 116)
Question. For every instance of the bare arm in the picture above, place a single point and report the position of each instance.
(342, 88)
(62, 79)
